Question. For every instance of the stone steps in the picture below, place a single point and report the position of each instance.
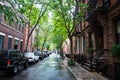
(87, 65)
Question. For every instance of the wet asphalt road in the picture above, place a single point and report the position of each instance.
(51, 68)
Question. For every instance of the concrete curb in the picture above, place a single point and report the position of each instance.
(71, 71)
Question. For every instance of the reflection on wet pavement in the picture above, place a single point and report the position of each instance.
(50, 68)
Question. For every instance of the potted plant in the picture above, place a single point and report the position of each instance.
(115, 51)
(90, 50)
(70, 63)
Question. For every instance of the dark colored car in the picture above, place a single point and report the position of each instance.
(12, 60)
(45, 53)
(38, 53)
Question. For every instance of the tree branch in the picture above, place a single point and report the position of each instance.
(39, 17)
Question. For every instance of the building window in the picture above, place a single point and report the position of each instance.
(78, 46)
(83, 43)
(16, 25)
(20, 27)
(21, 42)
(16, 44)
(23, 29)
(91, 40)
(1, 41)
(118, 31)
(9, 43)
(5, 20)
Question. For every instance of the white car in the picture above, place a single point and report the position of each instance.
(36, 57)
(31, 57)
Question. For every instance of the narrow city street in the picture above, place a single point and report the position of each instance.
(51, 68)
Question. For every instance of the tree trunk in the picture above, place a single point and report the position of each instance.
(43, 47)
(71, 49)
(26, 49)
(37, 21)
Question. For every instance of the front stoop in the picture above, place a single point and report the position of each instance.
(82, 74)
(87, 65)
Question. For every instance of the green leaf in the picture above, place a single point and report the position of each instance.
(115, 50)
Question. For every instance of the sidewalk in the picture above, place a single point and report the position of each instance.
(81, 74)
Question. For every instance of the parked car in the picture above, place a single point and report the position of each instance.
(38, 53)
(36, 57)
(31, 57)
(45, 53)
(11, 60)
(49, 52)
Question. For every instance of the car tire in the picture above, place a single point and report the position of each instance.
(26, 65)
(34, 61)
(15, 69)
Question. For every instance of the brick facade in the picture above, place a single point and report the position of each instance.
(8, 31)
(99, 31)
(13, 35)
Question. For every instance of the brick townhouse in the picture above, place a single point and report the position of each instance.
(100, 31)
(13, 35)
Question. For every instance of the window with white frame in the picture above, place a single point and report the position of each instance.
(16, 44)
(1, 41)
(21, 44)
(82, 44)
(118, 31)
(78, 47)
(9, 43)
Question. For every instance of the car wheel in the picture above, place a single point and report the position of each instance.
(38, 59)
(15, 69)
(26, 65)
(34, 61)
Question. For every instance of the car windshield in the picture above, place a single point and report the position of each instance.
(3, 54)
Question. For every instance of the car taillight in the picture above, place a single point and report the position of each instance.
(8, 62)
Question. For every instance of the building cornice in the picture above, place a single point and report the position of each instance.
(11, 28)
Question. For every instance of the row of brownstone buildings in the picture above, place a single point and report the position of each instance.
(100, 30)
(13, 34)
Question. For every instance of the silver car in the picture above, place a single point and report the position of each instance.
(31, 57)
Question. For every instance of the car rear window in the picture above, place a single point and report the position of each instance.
(13, 54)
(29, 54)
(3, 54)
(37, 53)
